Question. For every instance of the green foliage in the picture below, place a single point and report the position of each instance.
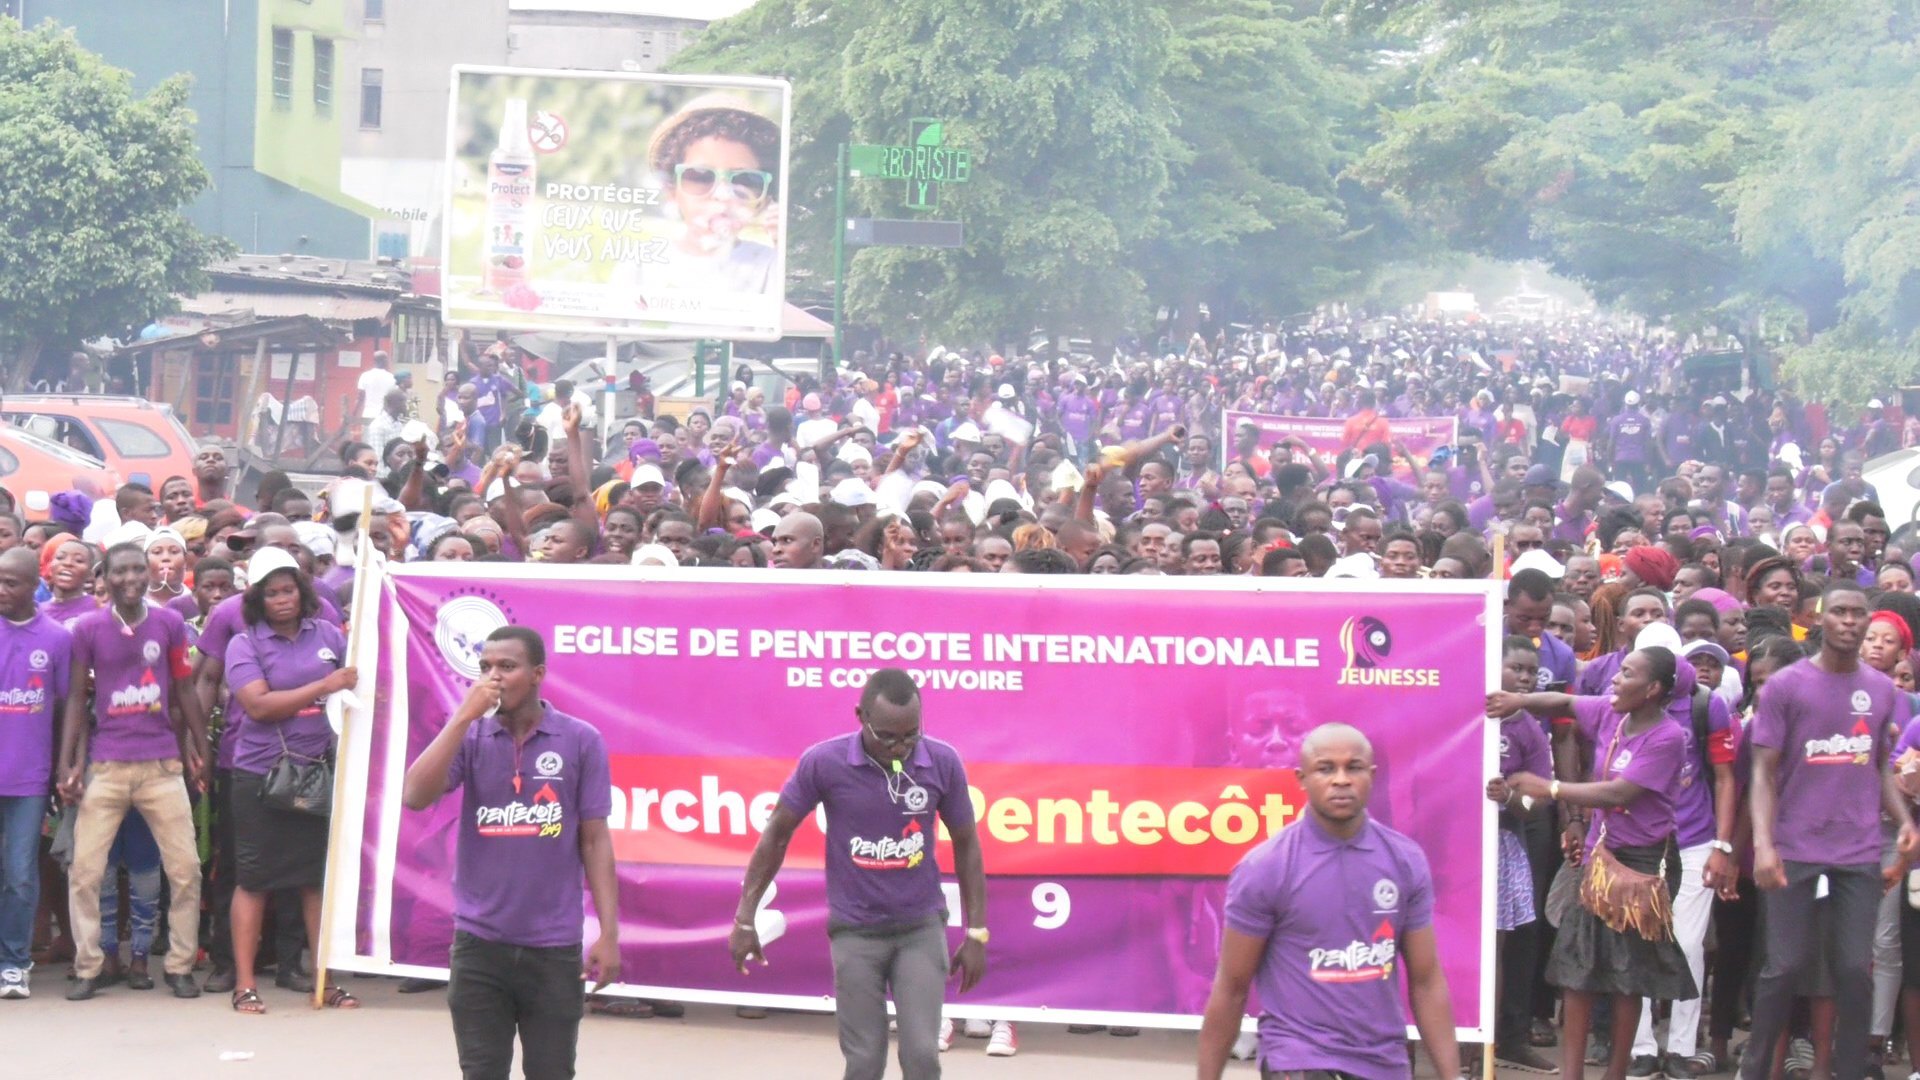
(92, 182)
(1681, 157)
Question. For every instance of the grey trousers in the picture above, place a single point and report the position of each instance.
(913, 964)
(1788, 932)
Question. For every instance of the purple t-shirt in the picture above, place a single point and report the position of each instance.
(1524, 747)
(133, 681)
(1651, 759)
(518, 875)
(67, 612)
(34, 659)
(1631, 436)
(1333, 914)
(223, 622)
(256, 653)
(1693, 804)
(880, 828)
(1831, 731)
(184, 604)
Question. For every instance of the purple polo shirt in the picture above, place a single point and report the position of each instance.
(223, 622)
(257, 653)
(1333, 914)
(132, 682)
(1631, 436)
(1830, 729)
(518, 876)
(1078, 416)
(1571, 527)
(67, 612)
(34, 659)
(1651, 759)
(880, 828)
(184, 604)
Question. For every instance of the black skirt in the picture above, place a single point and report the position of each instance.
(1590, 957)
(274, 849)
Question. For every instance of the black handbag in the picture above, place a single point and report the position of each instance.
(299, 783)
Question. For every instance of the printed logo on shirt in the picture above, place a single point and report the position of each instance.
(326, 654)
(30, 698)
(547, 764)
(1356, 961)
(1623, 760)
(1849, 749)
(1506, 745)
(903, 852)
(1386, 895)
(37, 659)
(150, 652)
(1543, 679)
(542, 817)
(915, 799)
(1862, 702)
(143, 697)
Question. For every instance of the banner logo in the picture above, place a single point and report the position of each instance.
(461, 628)
(1367, 643)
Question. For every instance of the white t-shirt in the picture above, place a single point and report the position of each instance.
(374, 384)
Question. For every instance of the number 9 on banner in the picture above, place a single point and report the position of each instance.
(1053, 903)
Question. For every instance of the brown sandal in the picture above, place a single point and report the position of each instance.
(248, 1001)
(337, 997)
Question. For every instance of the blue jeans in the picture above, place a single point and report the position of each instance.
(20, 819)
(133, 848)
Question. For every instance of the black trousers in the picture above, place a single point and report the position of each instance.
(1520, 951)
(496, 991)
(1735, 924)
(1788, 923)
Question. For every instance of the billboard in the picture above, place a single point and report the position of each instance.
(616, 204)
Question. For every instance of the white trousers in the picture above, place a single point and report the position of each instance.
(1692, 910)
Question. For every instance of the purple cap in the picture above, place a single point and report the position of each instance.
(1722, 602)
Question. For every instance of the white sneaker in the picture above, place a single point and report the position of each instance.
(979, 1029)
(946, 1034)
(14, 985)
(1246, 1046)
(1002, 1044)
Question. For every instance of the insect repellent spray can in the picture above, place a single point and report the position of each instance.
(510, 214)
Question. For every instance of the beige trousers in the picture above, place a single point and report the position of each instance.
(158, 790)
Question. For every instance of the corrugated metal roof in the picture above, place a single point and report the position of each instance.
(275, 305)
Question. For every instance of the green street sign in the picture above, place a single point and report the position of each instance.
(924, 163)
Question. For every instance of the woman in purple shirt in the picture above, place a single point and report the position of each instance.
(1637, 762)
(280, 667)
(67, 564)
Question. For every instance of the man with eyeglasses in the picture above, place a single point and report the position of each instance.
(883, 786)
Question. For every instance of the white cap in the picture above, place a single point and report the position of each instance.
(783, 498)
(647, 473)
(853, 453)
(1006, 392)
(1659, 635)
(851, 492)
(1358, 565)
(653, 555)
(1541, 561)
(928, 487)
(966, 432)
(266, 561)
(127, 532)
(317, 538)
(764, 518)
(1633, 397)
(1622, 489)
(1875, 404)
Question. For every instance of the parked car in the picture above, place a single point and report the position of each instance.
(34, 470)
(141, 440)
(1896, 477)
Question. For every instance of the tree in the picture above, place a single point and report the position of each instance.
(92, 182)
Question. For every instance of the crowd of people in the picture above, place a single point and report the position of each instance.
(1667, 548)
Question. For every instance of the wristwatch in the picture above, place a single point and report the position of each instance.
(977, 933)
(1553, 791)
(1721, 846)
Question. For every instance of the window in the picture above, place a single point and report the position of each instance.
(132, 440)
(216, 385)
(374, 11)
(370, 97)
(323, 76)
(282, 67)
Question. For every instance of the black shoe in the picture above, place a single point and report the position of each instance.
(1645, 1067)
(1524, 1058)
(414, 985)
(220, 981)
(1542, 1036)
(139, 980)
(83, 989)
(183, 986)
(668, 1010)
(295, 980)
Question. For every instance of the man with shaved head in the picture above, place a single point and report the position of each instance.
(35, 653)
(799, 542)
(1319, 918)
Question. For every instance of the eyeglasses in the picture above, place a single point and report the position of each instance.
(744, 185)
(885, 738)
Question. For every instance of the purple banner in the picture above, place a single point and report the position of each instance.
(1332, 436)
(1128, 740)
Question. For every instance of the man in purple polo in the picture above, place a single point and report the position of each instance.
(1630, 444)
(35, 653)
(134, 758)
(1319, 918)
(1820, 785)
(882, 786)
(535, 794)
